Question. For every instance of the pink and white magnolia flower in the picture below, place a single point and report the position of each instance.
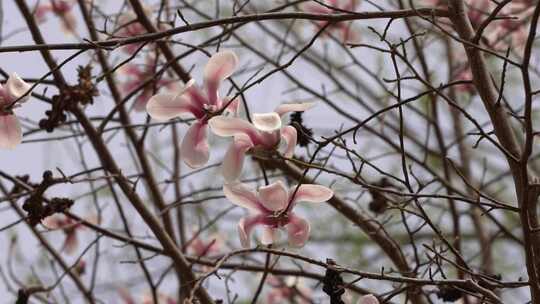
(137, 75)
(272, 207)
(69, 226)
(129, 26)
(286, 290)
(265, 133)
(200, 248)
(62, 9)
(347, 33)
(368, 299)
(202, 104)
(10, 128)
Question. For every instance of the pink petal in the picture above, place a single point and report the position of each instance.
(311, 193)
(293, 107)
(266, 122)
(298, 230)
(131, 70)
(233, 161)
(166, 106)
(315, 8)
(368, 299)
(195, 94)
(52, 222)
(220, 66)
(125, 295)
(289, 136)
(16, 87)
(349, 34)
(245, 226)
(230, 126)
(269, 235)
(142, 100)
(71, 243)
(350, 5)
(41, 11)
(131, 48)
(239, 195)
(10, 131)
(233, 107)
(194, 148)
(68, 23)
(274, 197)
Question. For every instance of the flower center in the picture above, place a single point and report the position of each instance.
(276, 219)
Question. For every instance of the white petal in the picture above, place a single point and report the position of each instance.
(368, 299)
(194, 149)
(245, 226)
(165, 106)
(230, 126)
(71, 242)
(269, 235)
(298, 230)
(239, 195)
(233, 160)
(312, 193)
(274, 197)
(289, 136)
(220, 66)
(16, 87)
(10, 131)
(267, 122)
(293, 107)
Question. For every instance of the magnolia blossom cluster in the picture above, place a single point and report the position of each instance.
(139, 76)
(272, 205)
(508, 30)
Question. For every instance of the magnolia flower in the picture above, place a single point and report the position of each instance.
(368, 299)
(129, 26)
(272, 207)
(10, 128)
(199, 247)
(202, 104)
(343, 28)
(290, 289)
(138, 75)
(61, 8)
(265, 133)
(69, 226)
